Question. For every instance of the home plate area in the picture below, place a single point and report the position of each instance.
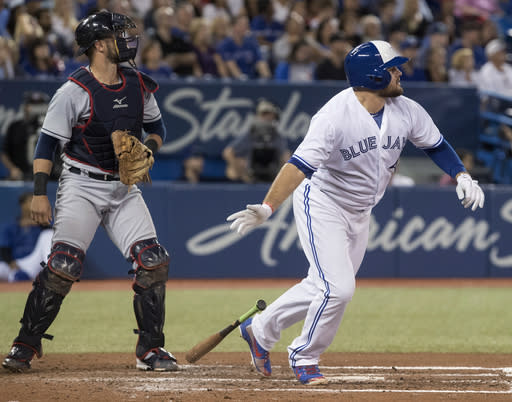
(229, 376)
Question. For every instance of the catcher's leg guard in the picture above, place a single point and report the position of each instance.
(43, 304)
(152, 262)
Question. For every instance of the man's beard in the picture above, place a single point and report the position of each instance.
(391, 92)
(112, 54)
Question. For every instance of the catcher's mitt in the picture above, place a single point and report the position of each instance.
(135, 159)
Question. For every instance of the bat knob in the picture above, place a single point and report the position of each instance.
(261, 305)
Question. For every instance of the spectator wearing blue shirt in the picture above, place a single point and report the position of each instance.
(152, 63)
(241, 52)
(470, 38)
(264, 26)
(410, 72)
(23, 245)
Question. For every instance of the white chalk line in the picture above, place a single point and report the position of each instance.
(317, 390)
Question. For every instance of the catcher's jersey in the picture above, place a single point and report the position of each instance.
(351, 158)
(70, 106)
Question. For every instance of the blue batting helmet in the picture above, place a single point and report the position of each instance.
(366, 65)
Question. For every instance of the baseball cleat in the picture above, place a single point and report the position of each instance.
(260, 357)
(19, 358)
(157, 359)
(309, 375)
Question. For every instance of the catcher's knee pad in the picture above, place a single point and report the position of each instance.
(152, 263)
(66, 261)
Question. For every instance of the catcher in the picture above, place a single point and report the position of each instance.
(99, 114)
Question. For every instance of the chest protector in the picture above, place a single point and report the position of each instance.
(111, 109)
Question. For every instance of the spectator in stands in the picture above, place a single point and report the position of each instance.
(349, 25)
(300, 66)
(295, 29)
(4, 17)
(462, 71)
(370, 28)
(219, 29)
(475, 9)
(152, 63)
(397, 36)
(21, 136)
(409, 48)
(325, 30)
(496, 74)
(282, 10)
(241, 52)
(7, 64)
(215, 9)
(182, 21)
(64, 21)
(489, 32)
(386, 13)
(257, 155)
(332, 68)
(468, 159)
(414, 19)
(22, 26)
(209, 60)
(177, 52)
(470, 38)
(436, 70)
(320, 10)
(437, 36)
(265, 28)
(58, 45)
(23, 245)
(40, 63)
(149, 17)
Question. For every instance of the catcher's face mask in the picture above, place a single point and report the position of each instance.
(126, 39)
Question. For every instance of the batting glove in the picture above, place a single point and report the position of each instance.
(248, 219)
(469, 192)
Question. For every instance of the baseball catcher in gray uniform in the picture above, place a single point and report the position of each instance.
(99, 115)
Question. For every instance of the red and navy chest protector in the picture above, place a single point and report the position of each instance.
(111, 109)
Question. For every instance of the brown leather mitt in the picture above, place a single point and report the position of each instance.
(135, 159)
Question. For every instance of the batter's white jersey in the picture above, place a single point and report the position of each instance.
(352, 159)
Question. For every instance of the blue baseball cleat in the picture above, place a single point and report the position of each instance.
(260, 357)
(309, 375)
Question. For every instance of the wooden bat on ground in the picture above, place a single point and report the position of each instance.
(209, 343)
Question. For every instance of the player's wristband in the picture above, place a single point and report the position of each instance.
(152, 145)
(40, 182)
(270, 206)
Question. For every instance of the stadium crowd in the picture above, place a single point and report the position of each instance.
(286, 40)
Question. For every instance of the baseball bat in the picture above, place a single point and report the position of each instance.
(206, 345)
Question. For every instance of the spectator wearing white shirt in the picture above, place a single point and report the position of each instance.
(496, 74)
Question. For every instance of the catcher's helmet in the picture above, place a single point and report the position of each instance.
(366, 65)
(104, 24)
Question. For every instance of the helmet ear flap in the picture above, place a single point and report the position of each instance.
(381, 78)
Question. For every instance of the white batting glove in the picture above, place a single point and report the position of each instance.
(469, 192)
(248, 219)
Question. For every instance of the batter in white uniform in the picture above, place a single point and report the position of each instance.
(337, 175)
(84, 112)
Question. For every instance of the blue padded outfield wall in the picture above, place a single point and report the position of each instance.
(209, 114)
(415, 232)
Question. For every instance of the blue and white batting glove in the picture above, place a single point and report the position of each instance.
(248, 219)
(469, 192)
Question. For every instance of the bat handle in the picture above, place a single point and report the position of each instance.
(260, 306)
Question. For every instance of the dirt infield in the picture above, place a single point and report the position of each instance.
(228, 376)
